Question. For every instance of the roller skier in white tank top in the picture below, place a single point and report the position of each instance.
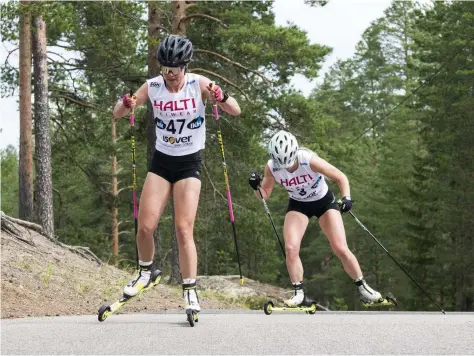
(178, 99)
(301, 172)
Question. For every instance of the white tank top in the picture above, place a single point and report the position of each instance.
(303, 184)
(179, 117)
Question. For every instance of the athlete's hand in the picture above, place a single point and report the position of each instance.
(129, 101)
(255, 180)
(216, 93)
(346, 204)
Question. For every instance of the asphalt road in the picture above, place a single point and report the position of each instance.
(243, 333)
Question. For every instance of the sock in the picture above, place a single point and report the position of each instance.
(298, 285)
(189, 280)
(145, 265)
(359, 281)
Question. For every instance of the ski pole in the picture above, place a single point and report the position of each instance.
(273, 225)
(226, 178)
(394, 260)
(134, 179)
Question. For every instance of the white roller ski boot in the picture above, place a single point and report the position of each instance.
(298, 298)
(191, 301)
(142, 280)
(367, 294)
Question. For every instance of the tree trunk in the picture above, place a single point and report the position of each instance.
(25, 167)
(44, 184)
(179, 12)
(153, 71)
(115, 246)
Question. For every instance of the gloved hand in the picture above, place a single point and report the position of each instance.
(346, 204)
(217, 94)
(129, 101)
(255, 180)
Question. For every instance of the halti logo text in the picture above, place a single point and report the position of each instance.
(296, 180)
(175, 105)
(177, 140)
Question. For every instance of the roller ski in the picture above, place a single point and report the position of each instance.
(191, 302)
(296, 303)
(371, 298)
(309, 307)
(388, 301)
(145, 280)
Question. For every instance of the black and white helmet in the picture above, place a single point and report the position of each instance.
(175, 51)
(283, 149)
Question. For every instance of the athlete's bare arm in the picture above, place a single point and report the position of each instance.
(230, 106)
(267, 185)
(141, 97)
(319, 165)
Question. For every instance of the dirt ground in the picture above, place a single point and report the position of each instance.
(41, 278)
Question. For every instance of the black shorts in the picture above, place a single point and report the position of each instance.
(314, 208)
(175, 168)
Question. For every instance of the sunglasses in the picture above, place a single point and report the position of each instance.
(171, 70)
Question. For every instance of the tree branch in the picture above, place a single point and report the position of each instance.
(193, 70)
(66, 47)
(189, 17)
(27, 224)
(212, 183)
(190, 4)
(8, 225)
(78, 102)
(158, 27)
(57, 54)
(10, 222)
(10, 53)
(73, 160)
(217, 191)
(205, 51)
(68, 95)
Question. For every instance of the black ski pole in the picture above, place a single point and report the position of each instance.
(134, 179)
(273, 225)
(394, 260)
(215, 110)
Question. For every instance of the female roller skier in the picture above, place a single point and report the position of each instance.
(178, 99)
(301, 172)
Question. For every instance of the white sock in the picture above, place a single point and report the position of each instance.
(145, 264)
(188, 280)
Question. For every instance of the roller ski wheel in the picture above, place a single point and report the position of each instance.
(268, 307)
(192, 316)
(105, 310)
(388, 301)
(309, 307)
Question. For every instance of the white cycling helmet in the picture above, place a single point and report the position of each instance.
(283, 149)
